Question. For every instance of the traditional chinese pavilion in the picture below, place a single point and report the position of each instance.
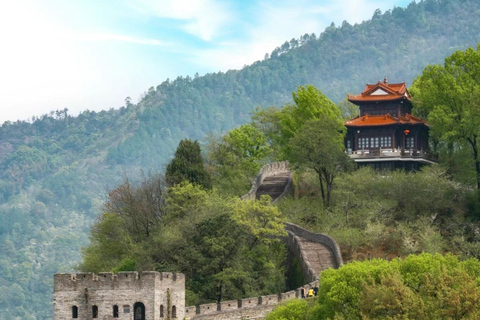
(385, 135)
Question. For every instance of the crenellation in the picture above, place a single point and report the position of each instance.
(208, 308)
(190, 311)
(128, 292)
(250, 302)
(229, 305)
(269, 300)
(288, 295)
(128, 275)
(107, 276)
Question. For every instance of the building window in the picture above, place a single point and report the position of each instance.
(174, 312)
(115, 311)
(385, 142)
(410, 142)
(126, 309)
(161, 311)
(94, 312)
(364, 143)
(74, 312)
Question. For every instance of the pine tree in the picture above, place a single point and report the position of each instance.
(188, 165)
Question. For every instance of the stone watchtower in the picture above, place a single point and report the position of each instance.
(128, 295)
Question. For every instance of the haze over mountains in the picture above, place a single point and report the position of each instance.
(56, 170)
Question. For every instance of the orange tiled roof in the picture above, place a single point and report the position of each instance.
(383, 120)
(394, 91)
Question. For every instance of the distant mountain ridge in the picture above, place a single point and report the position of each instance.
(55, 170)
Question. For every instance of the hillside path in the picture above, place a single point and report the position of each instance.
(315, 254)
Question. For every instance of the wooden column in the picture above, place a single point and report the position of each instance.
(416, 141)
(355, 144)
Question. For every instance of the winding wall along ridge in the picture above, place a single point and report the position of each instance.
(305, 244)
(267, 170)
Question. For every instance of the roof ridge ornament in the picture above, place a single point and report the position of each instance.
(385, 81)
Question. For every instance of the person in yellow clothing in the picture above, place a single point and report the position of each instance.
(310, 293)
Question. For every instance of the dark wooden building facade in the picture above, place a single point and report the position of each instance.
(385, 135)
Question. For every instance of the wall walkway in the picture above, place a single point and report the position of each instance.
(315, 251)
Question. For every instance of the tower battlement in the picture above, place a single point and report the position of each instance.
(106, 294)
(109, 280)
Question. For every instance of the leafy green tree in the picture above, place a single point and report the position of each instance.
(228, 248)
(390, 299)
(348, 109)
(281, 125)
(183, 199)
(187, 165)
(110, 243)
(319, 146)
(263, 221)
(292, 310)
(450, 96)
(237, 157)
(422, 286)
(247, 143)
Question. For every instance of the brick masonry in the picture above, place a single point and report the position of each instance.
(127, 290)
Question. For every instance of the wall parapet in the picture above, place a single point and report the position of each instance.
(258, 307)
(328, 241)
(254, 308)
(266, 171)
(108, 280)
(289, 190)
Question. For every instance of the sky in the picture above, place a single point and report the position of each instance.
(92, 54)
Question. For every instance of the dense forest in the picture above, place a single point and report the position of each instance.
(192, 220)
(56, 169)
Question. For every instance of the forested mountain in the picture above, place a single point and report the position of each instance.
(56, 169)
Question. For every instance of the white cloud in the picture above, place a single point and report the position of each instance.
(117, 37)
(52, 57)
(277, 22)
(205, 19)
(271, 26)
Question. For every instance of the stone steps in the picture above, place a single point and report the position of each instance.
(273, 185)
(318, 255)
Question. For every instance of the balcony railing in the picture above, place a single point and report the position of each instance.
(387, 153)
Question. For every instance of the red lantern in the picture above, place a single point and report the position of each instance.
(406, 132)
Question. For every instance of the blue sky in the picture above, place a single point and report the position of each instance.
(92, 54)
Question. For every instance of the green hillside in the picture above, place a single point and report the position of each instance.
(55, 170)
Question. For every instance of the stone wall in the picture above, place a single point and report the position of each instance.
(259, 307)
(258, 312)
(248, 308)
(267, 170)
(88, 291)
(289, 190)
(293, 243)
